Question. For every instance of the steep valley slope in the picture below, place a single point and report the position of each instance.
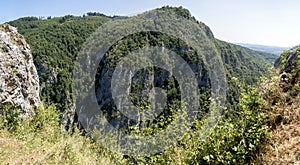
(56, 42)
(235, 139)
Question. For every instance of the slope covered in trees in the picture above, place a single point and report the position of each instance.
(235, 139)
(55, 43)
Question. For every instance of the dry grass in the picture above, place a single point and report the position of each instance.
(70, 149)
(283, 146)
(10, 149)
(42, 140)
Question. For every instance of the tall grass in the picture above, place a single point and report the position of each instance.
(41, 139)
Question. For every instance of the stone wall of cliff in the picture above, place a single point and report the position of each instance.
(19, 82)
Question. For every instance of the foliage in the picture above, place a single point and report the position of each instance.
(243, 66)
(55, 43)
(235, 139)
(281, 98)
(41, 139)
(10, 117)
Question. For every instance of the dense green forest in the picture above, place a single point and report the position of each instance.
(56, 42)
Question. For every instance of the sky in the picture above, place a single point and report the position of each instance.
(263, 22)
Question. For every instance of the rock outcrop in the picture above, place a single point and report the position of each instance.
(19, 82)
(288, 65)
(287, 61)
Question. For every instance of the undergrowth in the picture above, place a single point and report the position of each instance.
(235, 139)
(282, 104)
(41, 139)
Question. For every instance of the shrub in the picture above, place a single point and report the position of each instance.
(10, 117)
(235, 139)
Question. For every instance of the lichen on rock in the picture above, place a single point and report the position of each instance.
(19, 82)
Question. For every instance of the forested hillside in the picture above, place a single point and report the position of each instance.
(235, 138)
(55, 43)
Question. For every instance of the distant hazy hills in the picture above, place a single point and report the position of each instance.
(262, 48)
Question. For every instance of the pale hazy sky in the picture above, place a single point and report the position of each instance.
(266, 22)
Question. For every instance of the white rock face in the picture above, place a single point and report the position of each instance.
(19, 82)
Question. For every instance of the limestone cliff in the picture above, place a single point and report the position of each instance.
(19, 82)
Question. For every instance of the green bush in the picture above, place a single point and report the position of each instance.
(43, 117)
(10, 117)
(235, 139)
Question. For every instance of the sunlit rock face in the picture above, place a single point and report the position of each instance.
(19, 82)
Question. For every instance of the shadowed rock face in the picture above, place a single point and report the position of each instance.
(19, 82)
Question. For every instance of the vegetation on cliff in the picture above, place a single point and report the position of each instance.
(55, 44)
(281, 97)
(237, 137)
